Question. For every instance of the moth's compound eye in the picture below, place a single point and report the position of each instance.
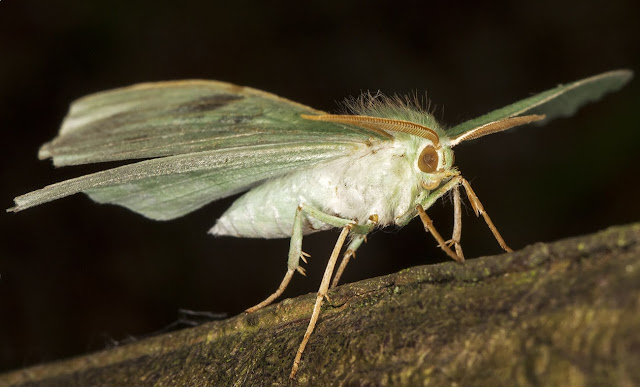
(428, 160)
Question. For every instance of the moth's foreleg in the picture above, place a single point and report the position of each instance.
(426, 202)
(479, 210)
(428, 226)
(322, 293)
(457, 222)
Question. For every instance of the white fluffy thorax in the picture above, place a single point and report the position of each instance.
(381, 180)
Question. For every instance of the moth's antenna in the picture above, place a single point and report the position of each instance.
(380, 125)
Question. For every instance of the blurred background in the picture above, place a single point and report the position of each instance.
(76, 276)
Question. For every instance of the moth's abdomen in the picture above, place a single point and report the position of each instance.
(266, 211)
(256, 215)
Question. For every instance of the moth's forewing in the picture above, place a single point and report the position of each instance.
(174, 118)
(206, 140)
(560, 101)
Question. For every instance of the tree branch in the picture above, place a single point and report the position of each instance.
(562, 313)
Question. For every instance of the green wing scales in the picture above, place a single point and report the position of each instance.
(199, 141)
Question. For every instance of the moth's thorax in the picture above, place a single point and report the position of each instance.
(381, 179)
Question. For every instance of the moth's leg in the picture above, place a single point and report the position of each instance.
(295, 247)
(360, 230)
(322, 293)
(351, 252)
(427, 202)
(355, 243)
(276, 294)
(479, 209)
(295, 253)
(457, 222)
(338, 222)
(428, 226)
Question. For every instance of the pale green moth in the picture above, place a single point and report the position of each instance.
(306, 171)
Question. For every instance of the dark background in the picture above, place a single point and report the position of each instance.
(76, 276)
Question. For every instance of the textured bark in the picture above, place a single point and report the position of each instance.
(563, 313)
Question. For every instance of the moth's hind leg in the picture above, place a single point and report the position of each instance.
(295, 247)
(295, 253)
(276, 294)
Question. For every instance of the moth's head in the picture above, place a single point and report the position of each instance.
(436, 164)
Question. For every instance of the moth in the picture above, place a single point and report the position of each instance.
(197, 141)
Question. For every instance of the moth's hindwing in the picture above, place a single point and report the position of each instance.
(560, 101)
